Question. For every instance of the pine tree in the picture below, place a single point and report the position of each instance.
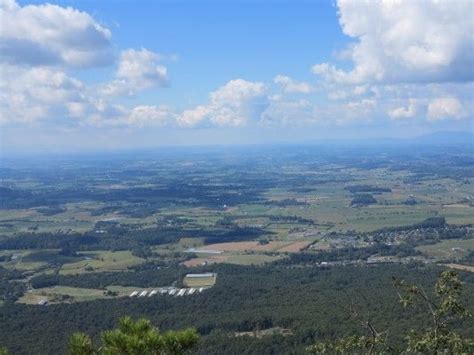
(135, 338)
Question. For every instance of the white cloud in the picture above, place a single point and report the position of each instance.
(360, 90)
(444, 108)
(52, 35)
(141, 116)
(234, 104)
(400, 47)
(283, 112)
(291, 86)
(406, 55)
(404, 112)
(336, 92)
(192, 117)
(338, 95)
(137, 70)
(39, 43)
(33, 94)
(363, 108)
(406, 41)
(45, 94)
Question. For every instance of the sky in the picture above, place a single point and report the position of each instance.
(94, 75)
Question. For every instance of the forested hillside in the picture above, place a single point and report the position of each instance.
(313, 303)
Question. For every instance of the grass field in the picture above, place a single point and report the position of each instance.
(272, 246)
(448, 249)
(212, 259)
(99, 261)
(330, 203)
(56, 294)
(20, 261)
(74, 294)
(96, 261)
(65, 294)
(199, 282)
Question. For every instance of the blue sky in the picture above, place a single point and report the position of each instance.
(215, 41)
(82, 75)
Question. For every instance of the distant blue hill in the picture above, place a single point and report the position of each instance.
(442, 138)
(446, 138)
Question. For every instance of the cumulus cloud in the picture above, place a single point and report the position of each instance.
(284, 112)
(404, 112)
(144, 115)
(192, 117)
(305, 113)
(137, 70)
(291, 86)
(52, 35)
(444, 108)
(234, 104)
(40, 43)
(362, 107)
(336, 92)
(405, 41)
(405, 55)
(37, 93)
(399, 47)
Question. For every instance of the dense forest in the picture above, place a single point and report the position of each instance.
(314, 303)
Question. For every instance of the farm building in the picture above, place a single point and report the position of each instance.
(177, 292)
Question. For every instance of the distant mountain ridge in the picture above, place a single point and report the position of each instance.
(443, 138)
(446, 137)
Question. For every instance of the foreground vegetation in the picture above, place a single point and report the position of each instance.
(439, 338)
(135, 338)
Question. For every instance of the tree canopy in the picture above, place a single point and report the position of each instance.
(439, 338)
(135, 338)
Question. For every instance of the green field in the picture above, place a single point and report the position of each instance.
(91, 222)
(199, 282)
(448, 249)
(100, 261)
(56, 294)
(328, 205)
(96, 261)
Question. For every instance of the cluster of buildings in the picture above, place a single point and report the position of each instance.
(170, 291)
